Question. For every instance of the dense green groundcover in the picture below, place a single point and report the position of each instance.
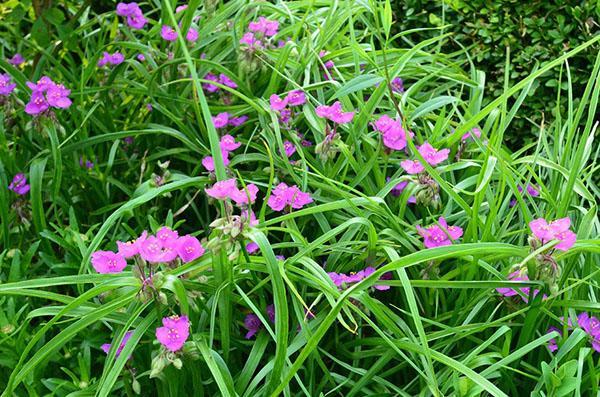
(349, 218)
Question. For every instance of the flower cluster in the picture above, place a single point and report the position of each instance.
(169, 34)
(46, 94)
(546, 231)
(334, 113)
(293, 98)
(166, 246)
(591, 326)
(227, 145)
(284, 196)
(19, 184)
(259, 32)
(430, 154)
(222, 79)
(174, 332)
(253, 324)
(394, 136)
(133, 13)
(227, 189)
(111, 59)
(6, 87)
(440, 234)
(343, 281)
(225, 119)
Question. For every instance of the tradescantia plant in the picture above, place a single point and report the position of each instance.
(247, 198)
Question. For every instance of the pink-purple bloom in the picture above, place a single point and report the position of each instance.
(19, 184)
(168, 33)
(277, 104)
(284, 196)
(589, 324)
(296, 98)
(530, 190)
(431, 156)
(397, 85)
(106, 347)
(439, 235)
(111, 59)
(556, 230)
(394, 136)
(265, 26)
(156, 249)
(253, 324)
(108, 262)
(228, 143)
(227, 189)
(475, 132)
(6, 87)
(343, 281)
(174, 332)
(334, 113)
(133, 13)
(220, 120)
(17, 60)
(131, 248)
(189, 248)
(517, 276)
(46, 94)
(289, 148)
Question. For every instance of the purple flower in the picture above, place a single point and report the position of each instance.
(228, 143)
(252, 247)
(191, 35)
(134, 14)
(226, 81)
(518, 276)
(220, 120)
(37, 103)
(439, 235)
(141, 57)
(19, 184)
(334, 113)
(158, 250)
(210, 87)
(288, 196)
(296, 98)
(265, 26)
(174, 332)
(271, 313)
(394, 136)
(111, 59)
(251, 41)
(531, 190)
(475, 132)
(552, 343)
(5, 86)
(397, 85)
(289, 148)
(189, 248)
(209, 163)
(108, 262)
(56, 95)
(168, 33)
(131, 248)
(277, 104)
(253, 324)
(223, 189)
(237, 121)
(555, 230)
(343, 281)
(106, 347)
(17, 60)
(432, 155)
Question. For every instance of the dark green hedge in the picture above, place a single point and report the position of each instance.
(535, 32)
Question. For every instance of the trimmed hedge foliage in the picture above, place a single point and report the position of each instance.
(535, 32)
